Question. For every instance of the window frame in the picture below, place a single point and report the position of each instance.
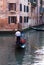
(13, 5)
(20, 19)
(20, 7)
(10, 19)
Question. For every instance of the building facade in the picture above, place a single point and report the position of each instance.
(13, 12)
(29, 13)
(20, 13)
(42, 11)
(37, 12)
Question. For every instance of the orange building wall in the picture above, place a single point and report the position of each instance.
(4, 24)
(4, 18)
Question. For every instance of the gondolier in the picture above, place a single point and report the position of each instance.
(18, 35)
(20, 41)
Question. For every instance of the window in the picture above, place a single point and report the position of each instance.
(20, 7)
(9, 20)
(27, 9)
(12, 19)
(26, 19)
(20, 19)
(24, 8)
(12, 6)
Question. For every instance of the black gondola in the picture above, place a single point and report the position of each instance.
(22, 42)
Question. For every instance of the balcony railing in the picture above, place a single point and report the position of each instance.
(12, 11)
(34, 4)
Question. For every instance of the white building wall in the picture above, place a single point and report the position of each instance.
(30, 20)
(23, 2)
(37, 14)
(22, 13)
(12, 1)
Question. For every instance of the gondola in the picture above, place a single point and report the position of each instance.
(21, 45)
(22, 42)
(37, 29)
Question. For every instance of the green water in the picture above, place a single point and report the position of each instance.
(9, 55)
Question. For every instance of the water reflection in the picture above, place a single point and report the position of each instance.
(36, 42)
(19, 55)
(39, 57)
(33, 54)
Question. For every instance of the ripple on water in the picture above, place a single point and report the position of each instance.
(39, 57)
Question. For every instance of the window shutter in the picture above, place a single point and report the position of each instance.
(9, 7)
(9, 20)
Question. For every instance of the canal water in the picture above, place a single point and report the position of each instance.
(33, 54)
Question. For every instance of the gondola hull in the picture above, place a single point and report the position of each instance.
(21, 45)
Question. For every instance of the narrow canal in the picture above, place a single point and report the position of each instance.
(33, 54)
